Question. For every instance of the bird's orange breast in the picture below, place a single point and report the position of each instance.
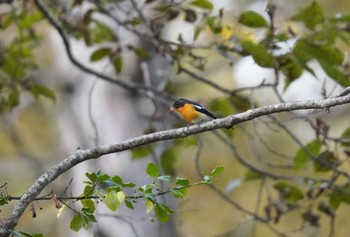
(189, 113)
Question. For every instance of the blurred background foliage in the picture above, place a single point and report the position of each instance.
(204, 43)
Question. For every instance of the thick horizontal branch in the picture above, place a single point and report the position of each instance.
(95, 152)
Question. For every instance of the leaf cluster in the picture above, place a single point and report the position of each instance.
(111, 190)
(17, 58)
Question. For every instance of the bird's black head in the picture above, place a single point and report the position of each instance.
(179, 103)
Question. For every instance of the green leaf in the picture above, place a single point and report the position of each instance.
(37, 235)
(129, 204)
(101, 33)
(77, 222)
(141, 53)
(335, 74)
(259, 53)
(140, 152)
(102, 177)
(251, 175)
(289, 192)
(216, 171)
(203, 4)
(340, 194)
(91, 176)
(340, 18)
(325, 161)
(88, 216)
(162, 212)
(118, 64)
(215, 24)
(100, 54)
(183, 182)
(179, 193)
(88, 203)
(302, 157)
(88, 190)
(3, 201)
(311, 16)
(114, 199)
(345, 138)
(223, 106)
(152, 170)
(41, 90)
(29, 20)
(252, 19)
(147, 188)
(291, 69)
(118, 180)
(189, 141)
(168, 160)
(306, 51)
(129, 185)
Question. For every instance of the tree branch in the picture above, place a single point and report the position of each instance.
(129, 85)
(98, 151)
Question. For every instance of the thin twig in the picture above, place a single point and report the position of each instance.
(129, 85)
(118, 217)
(222, 89)
(309, 154)
(91, 117)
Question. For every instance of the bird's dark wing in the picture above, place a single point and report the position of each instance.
(203, 110)
(198, 107)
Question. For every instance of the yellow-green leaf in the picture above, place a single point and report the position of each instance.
(77, 222)
(252, 19)
(251, 175)
(345, 138)
(140, 152)
(289, 192)
(325, 162)
(216, 171)
(259, 53)
(152, 170)
(302, 157)
(100, 54)
(311, 16)
(41, 90)
(162, 213)
(118, 64)
(203, 4)
(114, 199)
(149, 205)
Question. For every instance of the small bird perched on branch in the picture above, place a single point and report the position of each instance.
(191, 112)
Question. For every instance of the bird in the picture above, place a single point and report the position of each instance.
(191, 112)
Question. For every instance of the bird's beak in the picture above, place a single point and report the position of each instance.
(171, 109)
